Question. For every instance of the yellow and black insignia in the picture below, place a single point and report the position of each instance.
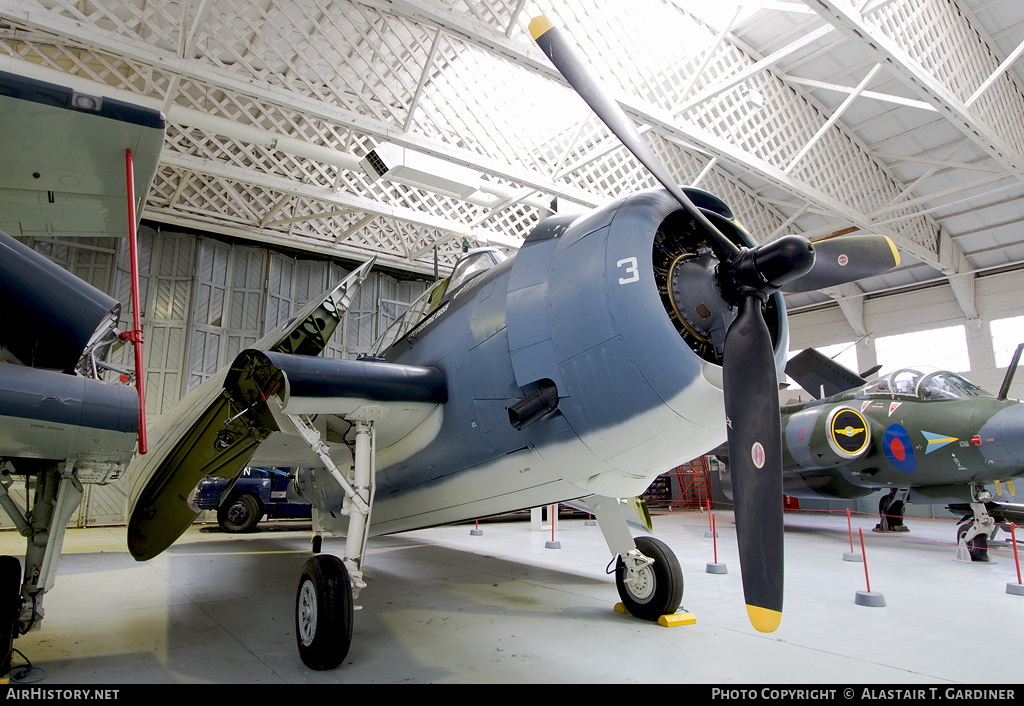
(849, 434)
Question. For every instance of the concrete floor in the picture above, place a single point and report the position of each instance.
(445, 607)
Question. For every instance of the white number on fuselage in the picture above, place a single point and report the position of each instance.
(631, 270)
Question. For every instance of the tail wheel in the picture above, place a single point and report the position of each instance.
(323, 612)
(10, 608)
(656, 589)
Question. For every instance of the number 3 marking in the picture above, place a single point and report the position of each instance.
(631, 270)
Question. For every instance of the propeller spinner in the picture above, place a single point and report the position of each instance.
(746, 277)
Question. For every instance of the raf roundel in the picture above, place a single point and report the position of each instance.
(899, 449)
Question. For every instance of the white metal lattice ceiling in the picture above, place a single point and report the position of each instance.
(903, 117)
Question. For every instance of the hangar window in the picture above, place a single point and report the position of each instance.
(944, 348)
(1007, 334)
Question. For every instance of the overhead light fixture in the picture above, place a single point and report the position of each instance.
(755, 99)
(420, 171)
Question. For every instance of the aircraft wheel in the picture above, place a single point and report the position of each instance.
(241, 514)
(10, 607)
(978, 546)
(323, 612)
(658, 589)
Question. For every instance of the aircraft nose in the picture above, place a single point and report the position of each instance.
(1002, 437)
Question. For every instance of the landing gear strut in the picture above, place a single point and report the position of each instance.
(974, 531)
(328, 587)
(890, 512)
(647, 573)
(57, 495)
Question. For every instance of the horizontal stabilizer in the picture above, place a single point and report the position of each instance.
(815, 371)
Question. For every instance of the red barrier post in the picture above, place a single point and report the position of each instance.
(849, 525)
(714, 541)
(1013, 536)
(864, 554)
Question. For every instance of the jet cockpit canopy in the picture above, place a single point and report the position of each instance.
(925, 383)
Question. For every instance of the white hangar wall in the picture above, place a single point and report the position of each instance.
(203, 301)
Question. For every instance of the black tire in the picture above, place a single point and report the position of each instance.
(323, 612)
(240, 514)
(10, 608)
(977, 547)
(660, 590)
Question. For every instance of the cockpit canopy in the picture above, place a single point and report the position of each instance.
(925, 383)
(469, 265)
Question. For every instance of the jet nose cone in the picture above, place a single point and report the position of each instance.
(1002, 437)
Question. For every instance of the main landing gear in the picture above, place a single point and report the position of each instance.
(328, 586)
(890, 512)
(647, 574)
(974, 531)
(58, 492)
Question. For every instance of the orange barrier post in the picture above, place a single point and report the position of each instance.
(711, 527)
(715, 568)
(851, 555)
(1016, 589)
(867, 598)
(552, 513)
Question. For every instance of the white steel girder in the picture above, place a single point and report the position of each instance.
(973, 122)
(913, 232)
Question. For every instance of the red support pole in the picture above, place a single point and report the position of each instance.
(864, 554)
(850, 527)
(135, 335)
(1013, 536)
(714, 534)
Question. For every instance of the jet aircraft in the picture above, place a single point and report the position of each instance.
(931, 436)
(612, 347)
(61, 425)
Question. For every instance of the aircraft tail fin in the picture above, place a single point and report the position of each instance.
(815, 371)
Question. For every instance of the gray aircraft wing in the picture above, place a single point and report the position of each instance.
(284, 386)
(63, 157)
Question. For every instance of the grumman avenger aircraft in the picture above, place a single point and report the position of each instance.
(71, 166)
(611, 348)
(931, 436)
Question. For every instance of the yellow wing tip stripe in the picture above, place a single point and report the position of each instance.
(895, 252)
(539, 25)
(764, 619)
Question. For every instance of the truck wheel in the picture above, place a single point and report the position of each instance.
(240, 514)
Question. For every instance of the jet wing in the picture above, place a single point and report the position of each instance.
(814, 371)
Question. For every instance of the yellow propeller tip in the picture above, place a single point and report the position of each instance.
(764, 619)
(895, 252)
(539, 25)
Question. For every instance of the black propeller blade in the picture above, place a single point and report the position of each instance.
(748, 276)
(846, 259)
(755, 460)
